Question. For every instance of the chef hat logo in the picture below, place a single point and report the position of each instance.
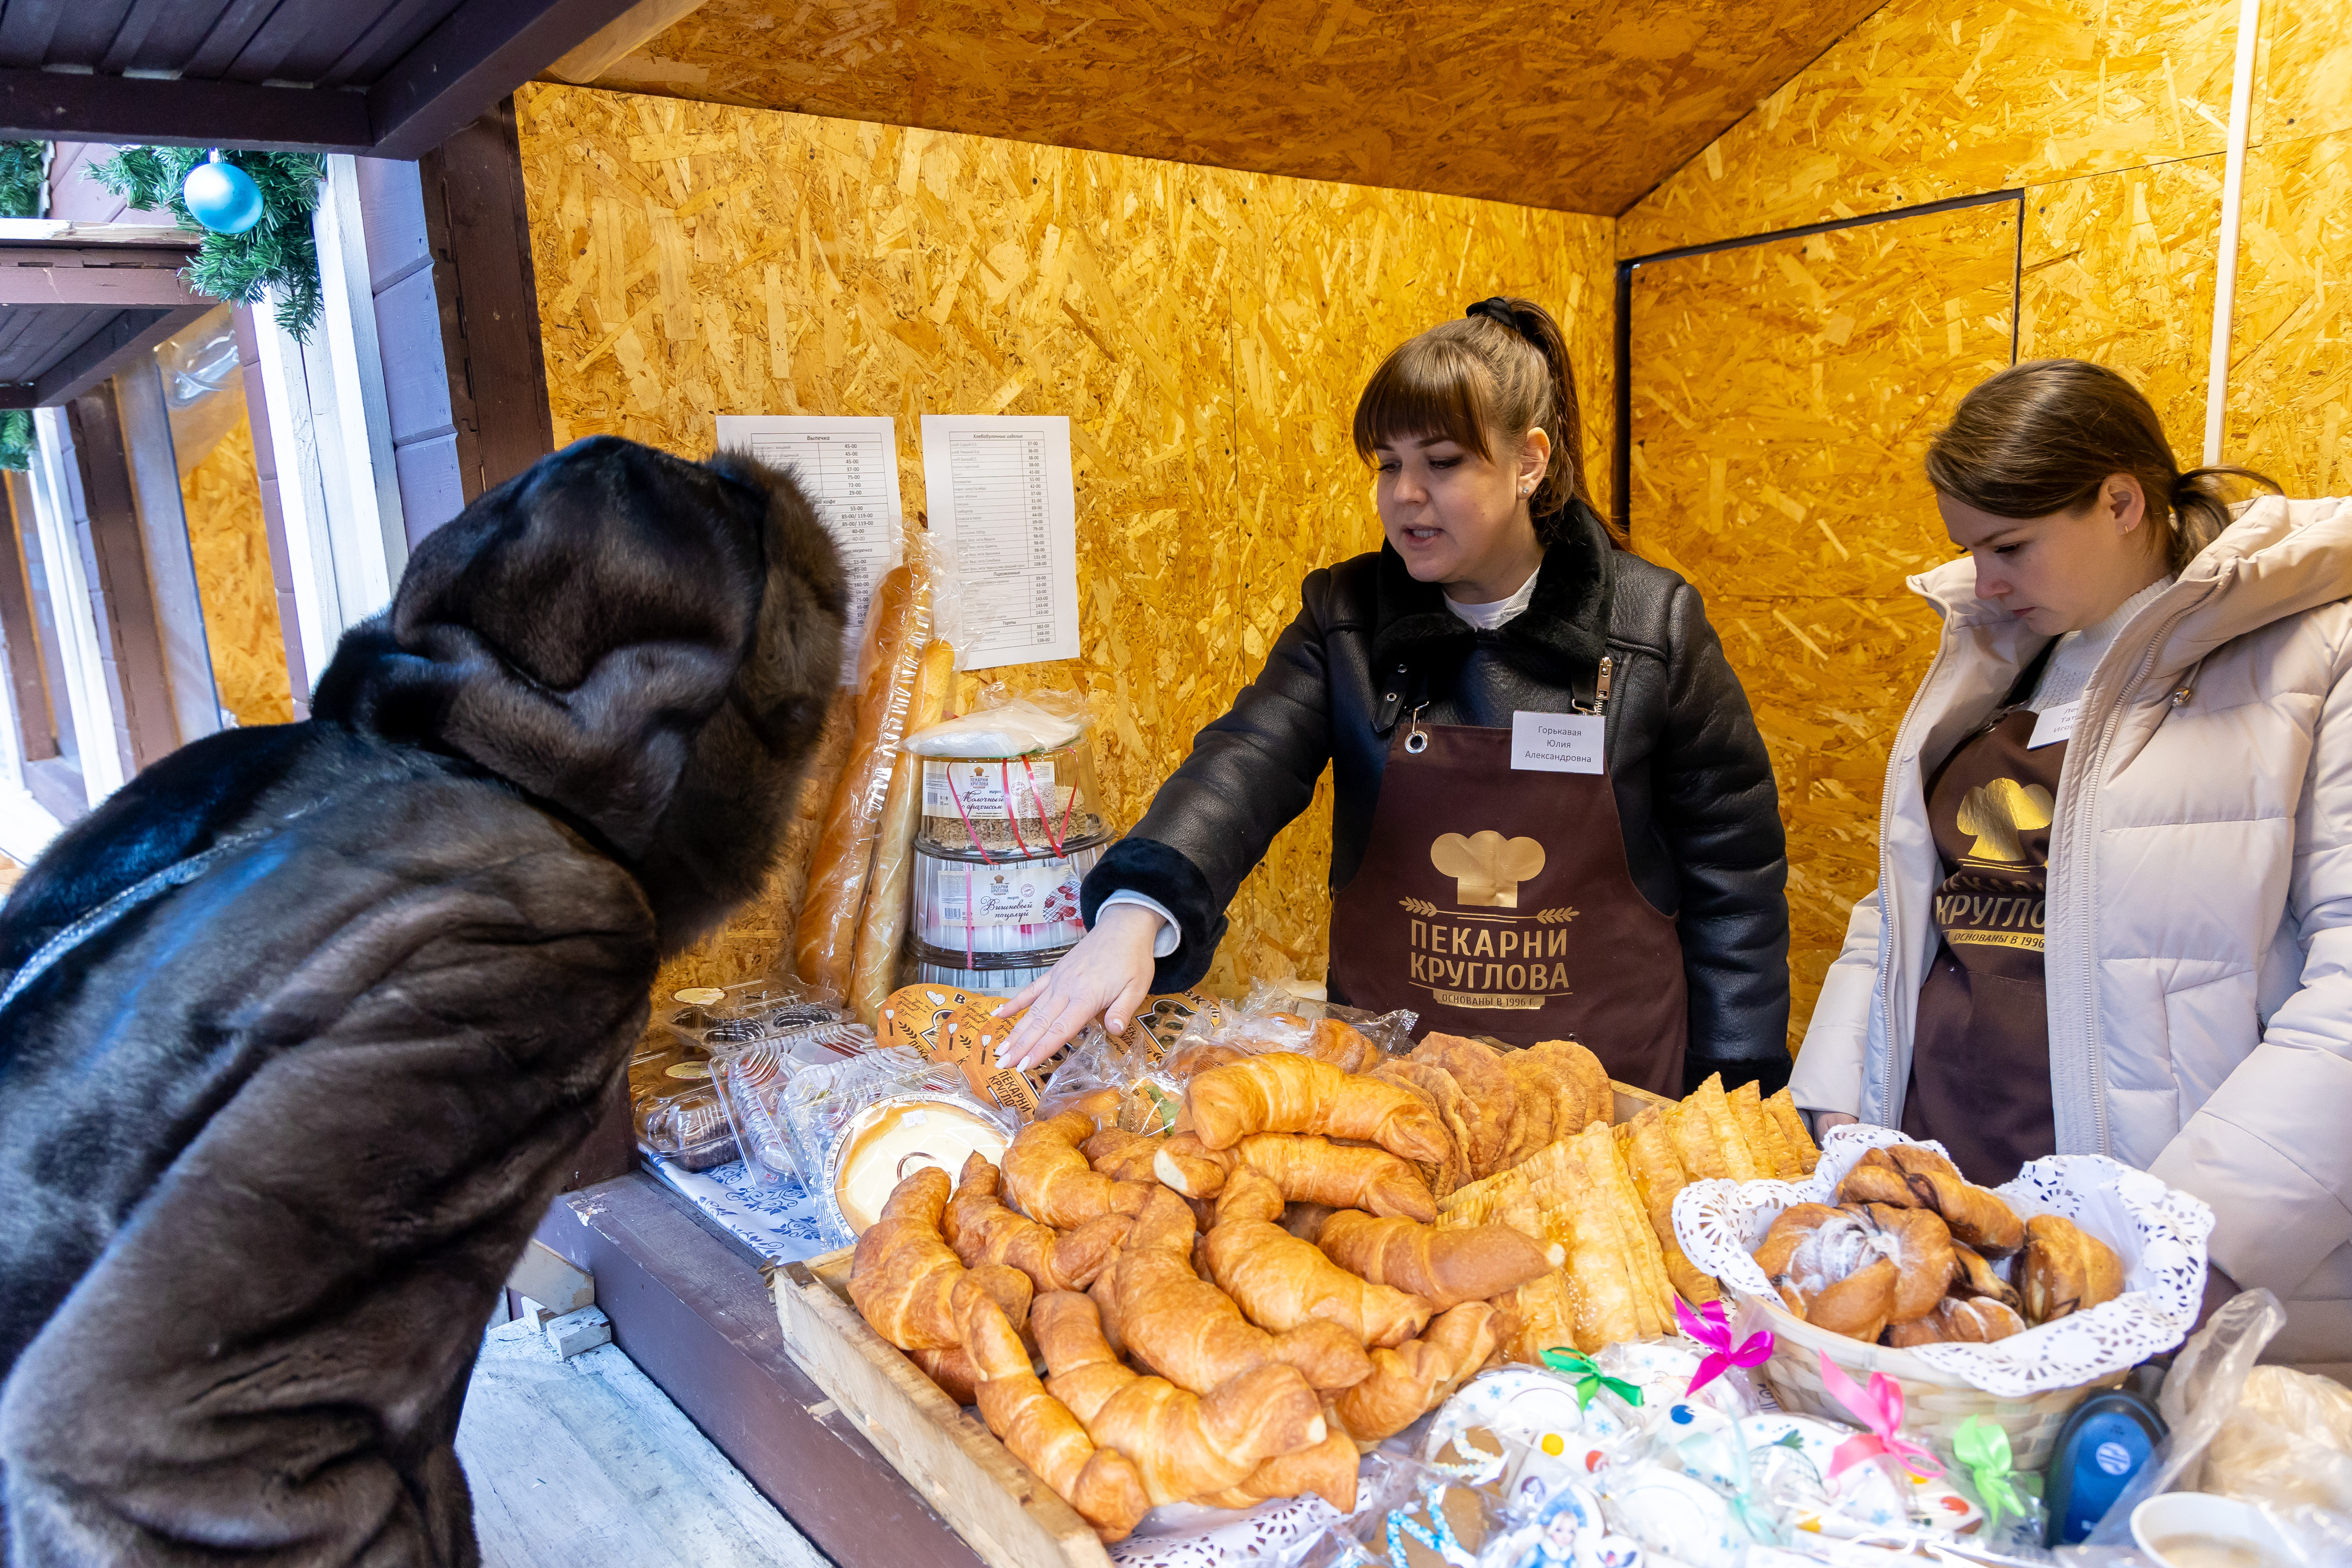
(1488, 868)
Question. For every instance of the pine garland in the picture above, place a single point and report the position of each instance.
(16, 438)
(277, 254)
(23, 168)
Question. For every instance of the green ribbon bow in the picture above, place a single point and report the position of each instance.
(1588, 1378)
(1983, 1448)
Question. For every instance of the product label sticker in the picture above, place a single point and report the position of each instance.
(687, 1070)
(978, 788)
(971, 1041)
(2053, 725)
(1556, 742)
(1012, 892)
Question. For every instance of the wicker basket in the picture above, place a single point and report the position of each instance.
(1934, 1403)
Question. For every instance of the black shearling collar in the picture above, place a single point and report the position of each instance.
(1559, 639)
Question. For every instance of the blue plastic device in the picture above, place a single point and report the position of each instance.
(2102, 1447)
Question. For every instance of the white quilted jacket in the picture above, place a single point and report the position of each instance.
(2200, 937)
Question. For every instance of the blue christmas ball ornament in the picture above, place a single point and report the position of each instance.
(223, 197)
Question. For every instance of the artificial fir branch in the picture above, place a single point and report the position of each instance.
(23, 167)
(279, 254)
(16, 438)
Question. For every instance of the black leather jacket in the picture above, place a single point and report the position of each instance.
(1694, 786)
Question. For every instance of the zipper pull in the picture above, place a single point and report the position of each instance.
(1601, 693)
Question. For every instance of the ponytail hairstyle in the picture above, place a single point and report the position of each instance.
(1498, 372)
(2043, 436)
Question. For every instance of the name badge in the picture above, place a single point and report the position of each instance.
(1556, 742)
(2052, 726)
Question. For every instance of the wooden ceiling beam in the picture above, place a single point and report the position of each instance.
(114, 346)
(465, 65)
(40, 105)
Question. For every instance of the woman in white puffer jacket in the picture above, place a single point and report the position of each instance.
(2140, 712)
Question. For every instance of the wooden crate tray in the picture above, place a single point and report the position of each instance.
(991, 1500)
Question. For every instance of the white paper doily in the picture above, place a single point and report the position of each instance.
(2158, 1231)
(1192, 1535)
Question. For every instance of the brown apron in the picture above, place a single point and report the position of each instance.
(1980, 1060)
(1497, 902)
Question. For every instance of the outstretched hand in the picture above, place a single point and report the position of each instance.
(1107, 976)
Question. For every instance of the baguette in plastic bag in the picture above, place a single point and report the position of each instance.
(882, 926)
(896, 632)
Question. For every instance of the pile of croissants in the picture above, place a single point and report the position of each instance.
(1229, 1312)
(1906, 1258)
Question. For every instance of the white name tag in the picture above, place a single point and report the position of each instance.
(1556, 742)
(2052, 726)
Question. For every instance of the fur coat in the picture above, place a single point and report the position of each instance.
(272, 1140)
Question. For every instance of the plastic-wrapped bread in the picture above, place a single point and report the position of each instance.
(895, 633)
(882, 924)
(791, 877)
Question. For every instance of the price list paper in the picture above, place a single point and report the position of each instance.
(1003, 512)
(849, 467)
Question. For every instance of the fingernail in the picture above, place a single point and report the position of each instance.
(1118, 1026)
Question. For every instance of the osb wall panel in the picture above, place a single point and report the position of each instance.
(2290, 341)
(1783, 397)
(2118, 269)
(1933, 98)
(2303, 85)
(1206, 333)
(229, 540)
(1581, 108)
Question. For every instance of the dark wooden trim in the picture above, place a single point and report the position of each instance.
(481, 53)
(699, 1320)
(118, 343)
(120, 588)
(44, 106)
(35, 726)
(477, 220)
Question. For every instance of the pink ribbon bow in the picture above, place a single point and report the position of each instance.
(1708, 1326)
(1881, 1410)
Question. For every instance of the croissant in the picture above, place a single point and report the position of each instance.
(1188, 1166)
(2065, 1270)
(953, 1370)
(1183, 1444)
(1338, 1043)
(1974, 1277)
(1190, 1332)
(1102, 1484)
(1285, 1092)
(1444, 1266)
(906, 1282)
(983, 1231)
(1120, 1155)
(1306, 1220)
(1309, 1169)
(1977, 1321)
(1326, 1469)
(1432, 1088)
(1912, 1176)
(1280, 1281)
(1418, 1374)
(1854, 1270)
(1051, 1181)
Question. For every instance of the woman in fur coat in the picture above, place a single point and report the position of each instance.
(299, 1031)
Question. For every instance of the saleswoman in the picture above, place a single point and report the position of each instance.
(2115, 903)
(1555, 818)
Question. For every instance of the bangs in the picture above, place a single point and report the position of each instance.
(1429, 389)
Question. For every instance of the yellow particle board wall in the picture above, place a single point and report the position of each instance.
(229, 541)
(2291, 353)
(1783, 395)
(1933, 98)
(1205, 331)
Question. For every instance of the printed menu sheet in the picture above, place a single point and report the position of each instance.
(850, 468)
(1005, 520)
